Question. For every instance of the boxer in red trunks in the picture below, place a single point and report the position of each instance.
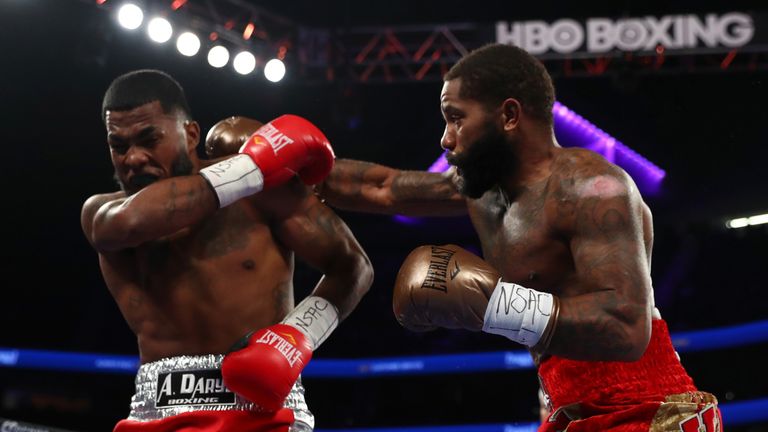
(200, 255)
(566, 242)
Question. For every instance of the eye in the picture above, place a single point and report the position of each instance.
(149, 142)
(119, 148)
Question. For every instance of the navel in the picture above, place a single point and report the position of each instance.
(248, 264)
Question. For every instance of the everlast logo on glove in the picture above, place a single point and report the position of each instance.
(438, 269)
(275, 138)
(286, 348)
(197, 387)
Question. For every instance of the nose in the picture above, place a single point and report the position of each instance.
(448, 141)
(136, 157)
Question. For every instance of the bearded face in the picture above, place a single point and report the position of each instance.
(484, 162)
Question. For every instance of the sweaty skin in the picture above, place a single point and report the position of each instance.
(565, 221)
(190, 278)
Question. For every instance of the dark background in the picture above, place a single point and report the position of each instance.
(708, 129)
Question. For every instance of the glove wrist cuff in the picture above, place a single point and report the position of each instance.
(315, 317)
(234, 178)
(519, 313)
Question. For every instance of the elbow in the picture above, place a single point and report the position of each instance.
(354, 271)
(637, 336)
(360, 271)
(356, 276)
(363, 271)
(119, 232)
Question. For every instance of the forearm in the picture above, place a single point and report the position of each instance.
(599, 326)
(345, 284)
(158, 210)
(366, 187)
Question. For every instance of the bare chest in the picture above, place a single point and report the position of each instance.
(230, 241)
(520, 241)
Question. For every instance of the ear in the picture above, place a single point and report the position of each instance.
(192, 129)
(510, 111)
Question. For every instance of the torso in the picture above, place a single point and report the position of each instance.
(201, 289)
(527, 237)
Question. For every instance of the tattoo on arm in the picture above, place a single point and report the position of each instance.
(327, 221)
(363, 186)
(178, 202)
(417, 185)
(606, 318)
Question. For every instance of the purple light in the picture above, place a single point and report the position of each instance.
(440, 165)
(573, 130)
(407, 220)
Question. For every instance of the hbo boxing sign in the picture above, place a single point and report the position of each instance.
(599, 35)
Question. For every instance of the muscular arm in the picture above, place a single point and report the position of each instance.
(115, 222)
(367, 187)
(321, 239)
(610, 318)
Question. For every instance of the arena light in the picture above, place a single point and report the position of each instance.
(159, 30)
(274, 70)
(188, 44)
(176, 4)
(218, 56)
(244, 63)
(248, 31)
(747, 221)
(130, 16)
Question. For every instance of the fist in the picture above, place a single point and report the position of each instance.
(264, 366)
(287, 146)
(443, 286)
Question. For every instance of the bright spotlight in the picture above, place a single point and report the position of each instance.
(159, 30)
(747, 221)
(188, 44)
(274, 70)
(130, 16)
(244, 63)
(218, 56)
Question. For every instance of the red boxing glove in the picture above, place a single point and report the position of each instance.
(290, 145)
(264, 366)
(282, 148)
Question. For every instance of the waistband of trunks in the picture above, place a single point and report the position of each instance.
(176, 385)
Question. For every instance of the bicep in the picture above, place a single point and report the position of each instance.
(608, 246)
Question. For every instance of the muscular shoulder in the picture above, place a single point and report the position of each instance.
(584, 178)
(580, 174)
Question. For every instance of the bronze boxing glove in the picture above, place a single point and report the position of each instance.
(227, 136)
(443, 286)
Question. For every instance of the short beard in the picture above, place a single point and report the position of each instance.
(182, 166)
(484, 164)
